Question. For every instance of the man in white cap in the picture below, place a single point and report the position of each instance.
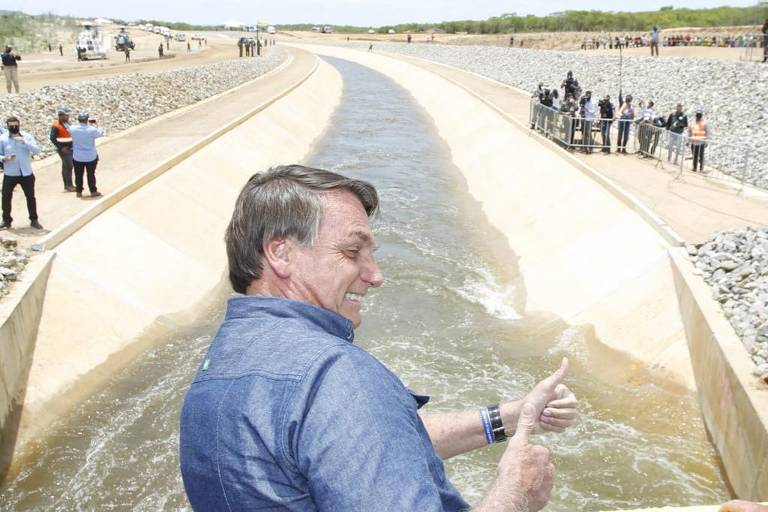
(16, 150)
(85, 157)
(62, 140)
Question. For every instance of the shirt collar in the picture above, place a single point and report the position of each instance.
(252, 306)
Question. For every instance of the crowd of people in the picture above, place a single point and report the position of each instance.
(76, 146)
(583, 114)
(615, 42)
(654, 39)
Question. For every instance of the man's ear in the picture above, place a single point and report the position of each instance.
(278, 254)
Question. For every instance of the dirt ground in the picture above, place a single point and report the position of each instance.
(49, 68)
(567, 41)
(40, 69)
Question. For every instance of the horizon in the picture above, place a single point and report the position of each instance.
(358, 13)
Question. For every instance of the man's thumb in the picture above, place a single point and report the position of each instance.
(526, 422)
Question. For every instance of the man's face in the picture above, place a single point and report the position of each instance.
(64, 118)
(13, 126)
(679, 109)
(337, 271)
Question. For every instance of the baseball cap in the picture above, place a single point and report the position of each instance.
(62, 110)
(83, 114)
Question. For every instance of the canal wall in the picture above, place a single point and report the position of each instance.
(153, 261)
(583, 254)
(21, 310)
(734, 401)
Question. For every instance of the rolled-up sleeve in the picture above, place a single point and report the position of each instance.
(359, 441)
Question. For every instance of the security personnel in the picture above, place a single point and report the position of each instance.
(62, 140)
(698, 132)
(16, 150)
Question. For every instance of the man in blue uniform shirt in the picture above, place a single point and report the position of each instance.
(286, 413)
(16, 150)
(84, 155)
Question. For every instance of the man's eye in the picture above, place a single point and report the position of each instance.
(353, 252)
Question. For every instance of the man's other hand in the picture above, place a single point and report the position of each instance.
(525, 468)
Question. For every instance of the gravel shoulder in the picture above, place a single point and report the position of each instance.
(126, 100)
(733, 94)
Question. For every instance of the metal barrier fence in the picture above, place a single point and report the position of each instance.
(577, 132)
(681, 153)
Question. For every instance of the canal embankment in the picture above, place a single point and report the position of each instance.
(566, 231)
(145, 257)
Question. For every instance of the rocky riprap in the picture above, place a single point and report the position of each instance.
(12, 262)
(126, 100)
(735, 265)
(733, 94)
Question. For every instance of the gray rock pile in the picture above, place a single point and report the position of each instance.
(12, 262)
(733, 94)
(735, 265)
(127, 100)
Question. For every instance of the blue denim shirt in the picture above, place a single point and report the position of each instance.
(287, 414)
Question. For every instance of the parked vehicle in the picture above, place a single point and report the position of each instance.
(90, 44)
(271, 30)
(123, 40)
(180, 37)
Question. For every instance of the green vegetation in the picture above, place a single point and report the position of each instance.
(667, 17)
(25, 33)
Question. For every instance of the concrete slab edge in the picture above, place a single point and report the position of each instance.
(661, 227)
(21, 310)
(73, 225)
(733, 401)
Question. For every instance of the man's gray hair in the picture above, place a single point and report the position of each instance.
(284, 202)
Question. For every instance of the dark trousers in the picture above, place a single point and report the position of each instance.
(66, 166)
(624, 125)
(90, 169)
(28, 186)
(605, 133)
(586, 135)
(654, 46)
(698, 156)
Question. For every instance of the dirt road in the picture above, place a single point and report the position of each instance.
(41, 69)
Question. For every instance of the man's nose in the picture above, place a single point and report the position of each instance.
(372, 274)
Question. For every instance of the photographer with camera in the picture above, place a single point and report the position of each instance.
(85, 157)
(677, 122)
(606, 120)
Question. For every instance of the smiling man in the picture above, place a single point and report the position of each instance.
(286, 413)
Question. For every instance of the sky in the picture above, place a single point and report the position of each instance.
(337, 12)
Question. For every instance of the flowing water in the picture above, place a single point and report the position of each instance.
(447, 321)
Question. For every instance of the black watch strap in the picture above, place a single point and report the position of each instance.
(497, 426)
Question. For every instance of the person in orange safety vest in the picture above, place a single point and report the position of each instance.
(61, 138)
(698, 133)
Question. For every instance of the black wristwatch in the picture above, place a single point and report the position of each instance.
(497, 426)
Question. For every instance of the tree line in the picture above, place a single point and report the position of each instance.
(579, 21)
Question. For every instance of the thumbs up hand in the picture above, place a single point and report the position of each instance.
(555, 404)
(525, 468)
